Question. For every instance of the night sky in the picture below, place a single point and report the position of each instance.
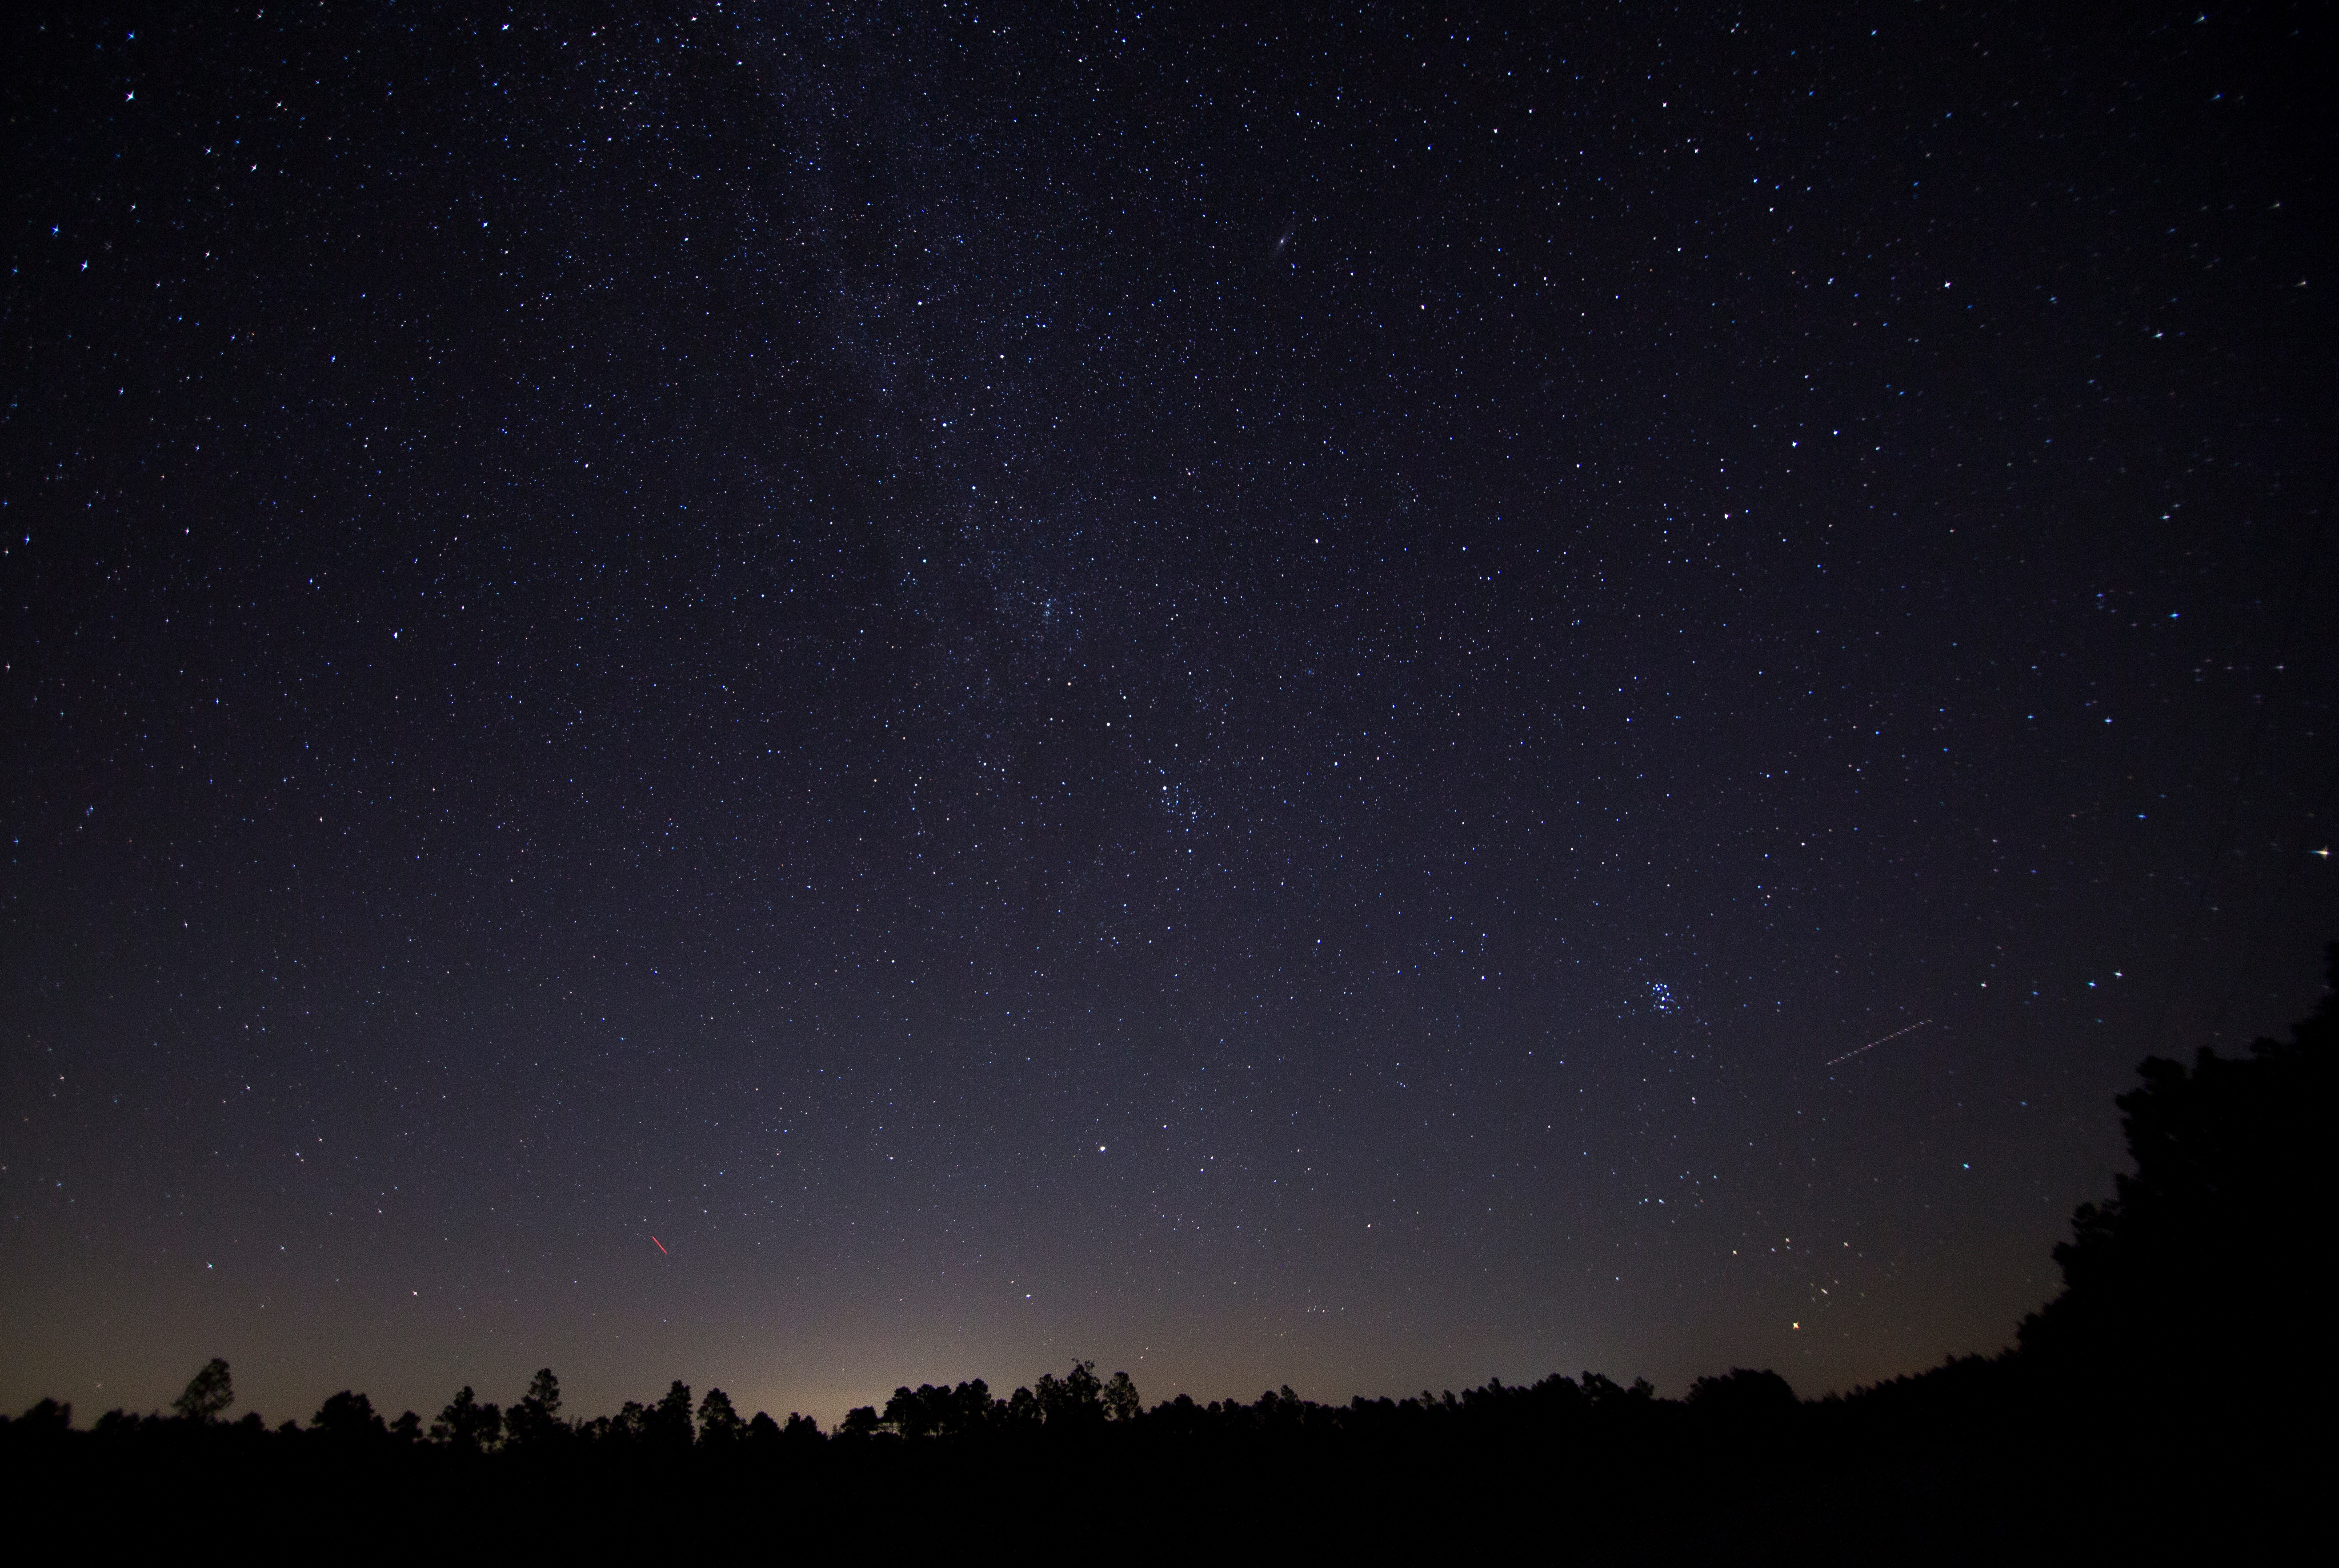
(1265, 701)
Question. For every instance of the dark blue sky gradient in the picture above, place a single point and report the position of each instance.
(1255, 701)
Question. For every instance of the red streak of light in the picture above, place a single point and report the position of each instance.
(660, 1246)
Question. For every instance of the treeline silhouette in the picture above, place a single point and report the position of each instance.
(2130, 1416)
(1076, 1408)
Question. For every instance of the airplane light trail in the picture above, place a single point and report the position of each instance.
(1872, 1044)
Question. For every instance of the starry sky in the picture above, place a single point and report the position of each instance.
(807, 697)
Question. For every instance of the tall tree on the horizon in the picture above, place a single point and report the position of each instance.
(2209, 1244)
(718, 1420)
(466, 1426)
(669, 1426)
(535, 1421)
(209, 1394)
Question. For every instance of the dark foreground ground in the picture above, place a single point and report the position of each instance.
(1989, 1472)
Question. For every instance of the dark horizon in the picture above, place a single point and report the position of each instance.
(1360, 702)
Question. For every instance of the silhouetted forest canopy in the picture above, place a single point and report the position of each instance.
(2130, 1413)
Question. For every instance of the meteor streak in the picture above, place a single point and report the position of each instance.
(1872, 1044)
(660, 1246)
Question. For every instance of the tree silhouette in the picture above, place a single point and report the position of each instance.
(1024, 1407)
(915, 1413)
(209, 1394)
(630, 1424)
(972, 1411)
(1075, 1401)
(535, 1421)
(718, 1422)
(466, 1426)
(346, 1417)
(2206, 1246)
(1121, 1402)
(48, 1419)
(1604, 1393)
(668, 1426)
